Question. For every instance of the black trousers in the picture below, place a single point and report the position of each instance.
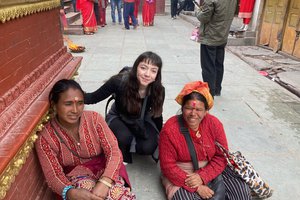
(212, 64)
(125, 137)
(174, 4)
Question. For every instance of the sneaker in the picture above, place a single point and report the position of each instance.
(125, 28)
(113, 23)
(120, 23)
(218, 93)
(125, 163)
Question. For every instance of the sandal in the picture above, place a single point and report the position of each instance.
(88, 33)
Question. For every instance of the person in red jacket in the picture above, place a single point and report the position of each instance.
(245, 12)
(179, 178)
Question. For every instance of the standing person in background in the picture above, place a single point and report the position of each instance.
(187, 4)
(174, 4)
(216, 17)
(96, 10)
(128, 11)
(148, 12)
(114, 4)
(136, 12)
(102, 12)
(245, 12)
(88, 16)
(74, 5)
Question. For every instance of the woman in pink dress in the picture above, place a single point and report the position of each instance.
(148, 12)
(245, 12)
(88, 16)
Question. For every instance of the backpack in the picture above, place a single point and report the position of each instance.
(124, 70)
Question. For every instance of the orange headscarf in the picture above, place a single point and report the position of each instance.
(196, 86)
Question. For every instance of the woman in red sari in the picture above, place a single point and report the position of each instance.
(148, 12)
(88, 16)
(245, 12)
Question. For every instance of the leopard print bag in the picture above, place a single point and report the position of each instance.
(241, 166)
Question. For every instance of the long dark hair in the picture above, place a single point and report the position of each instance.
(132, 98)
(60, 87)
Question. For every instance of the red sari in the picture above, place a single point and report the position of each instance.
(102, 12)
(246, 9)
(88, 16)
(148, 12)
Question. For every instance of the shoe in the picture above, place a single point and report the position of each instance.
(218, 93)
(245, 27)
(113, 23)
(125, 28)
(242, 27)
(135, 27)
(125, 163)
(120, 23)
(88, 33)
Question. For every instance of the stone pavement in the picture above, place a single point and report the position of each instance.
(261, 118)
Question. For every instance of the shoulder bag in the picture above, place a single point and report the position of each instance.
(242, 167)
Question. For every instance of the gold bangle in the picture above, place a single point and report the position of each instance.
(106, 183)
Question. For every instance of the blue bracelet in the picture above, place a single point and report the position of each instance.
(65, 190)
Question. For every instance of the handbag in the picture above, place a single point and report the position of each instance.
(242, 167)
(217, 184)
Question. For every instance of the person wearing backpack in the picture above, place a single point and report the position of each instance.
(136, 115)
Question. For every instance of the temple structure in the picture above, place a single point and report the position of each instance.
(33, 57)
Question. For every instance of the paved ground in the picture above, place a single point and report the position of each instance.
(261, 118)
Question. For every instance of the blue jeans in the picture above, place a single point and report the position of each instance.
(128, 11)
(114, 4)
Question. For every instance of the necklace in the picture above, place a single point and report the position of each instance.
(198, 134)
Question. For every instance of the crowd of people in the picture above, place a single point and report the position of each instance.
(94, 13)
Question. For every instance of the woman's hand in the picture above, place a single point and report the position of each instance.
(205, 192)
(81, 194)
(100, 190)
(193, 180)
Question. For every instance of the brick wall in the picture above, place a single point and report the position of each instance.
(32, 58)
(25, 43)
(30, 182)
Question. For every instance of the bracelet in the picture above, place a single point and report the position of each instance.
(105, 183)
(65, 190)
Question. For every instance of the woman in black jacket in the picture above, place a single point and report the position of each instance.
(135, 131)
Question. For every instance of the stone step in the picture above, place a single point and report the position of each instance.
(245, 41)
(76, 24)
(72, 17)
(67, 9)
(73, 31)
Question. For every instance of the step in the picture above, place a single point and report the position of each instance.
(73, 31)
(245, 41)
(72, 17)
(76, 24)
(68, 9)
